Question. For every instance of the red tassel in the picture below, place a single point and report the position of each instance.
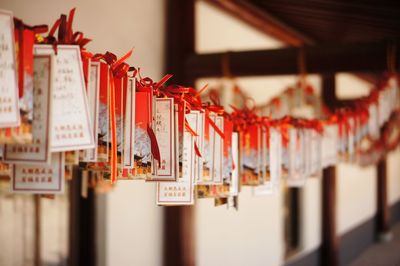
(154, 145)
(196, 149)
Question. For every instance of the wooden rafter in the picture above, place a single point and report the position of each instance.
(361, 57)
(270, 25)
(263, 21)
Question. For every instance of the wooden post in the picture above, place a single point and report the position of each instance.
(180, 39)
(180, 44)
(74, 217)
(38, 242)
(82, 225)
(329, 245)
(382, 213)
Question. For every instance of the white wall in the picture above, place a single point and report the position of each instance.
(356, 195)
(254, 234)
(393, 171)
(356, 186)
(211, 22)
(131, 221)
(356, 198)
(249, 236)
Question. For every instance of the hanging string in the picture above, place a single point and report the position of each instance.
(391, 57)
(227, 73)
(301, 62)
(225, 64)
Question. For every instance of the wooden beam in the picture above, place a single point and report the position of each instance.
(179, 240)
(330, 242)
(369, 57)
(271, 26)
(263, 21)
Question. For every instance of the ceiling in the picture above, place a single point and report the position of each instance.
(336, 21)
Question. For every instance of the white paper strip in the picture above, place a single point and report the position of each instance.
(9, 108)
(129, 135)
(93, 93)
(40, 179)
(39, 151)
(71, 124)
(181, 192)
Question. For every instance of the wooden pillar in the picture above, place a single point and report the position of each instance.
(38, 242)
(179, 236)
(329, 245)
(180, 39)
(82, 225)
(180, 44)
(382, 214)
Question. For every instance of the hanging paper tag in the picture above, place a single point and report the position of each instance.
(249, 155)
(181, 192)
(40, 179)
(384, 106)
(373, 122)
(218, 151)
(272, 157)
(129, 136)
(199, 142)
(234, 186)
(275, 156)
(315, 151)
(71, 125)
(268, 142)
(296, 177)
(121, 85)
(22, 134)
(165, 134)
(103, 127)
(306, 146)
(329, 145)
(39, 151)
(228, 161)
(142, 145)
(351, 140)
(9, 107)
(93, 92)
(208, 161)
(265, 186)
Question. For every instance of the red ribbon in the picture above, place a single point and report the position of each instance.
(20, 28)
(65, 33)
(118, 69)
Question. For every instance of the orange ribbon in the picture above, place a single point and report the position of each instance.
(118, 69)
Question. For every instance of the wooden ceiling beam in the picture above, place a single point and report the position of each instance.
(355, 57)
(263, 21)
(270, 25)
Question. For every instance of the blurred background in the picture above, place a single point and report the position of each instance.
(128, 227)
